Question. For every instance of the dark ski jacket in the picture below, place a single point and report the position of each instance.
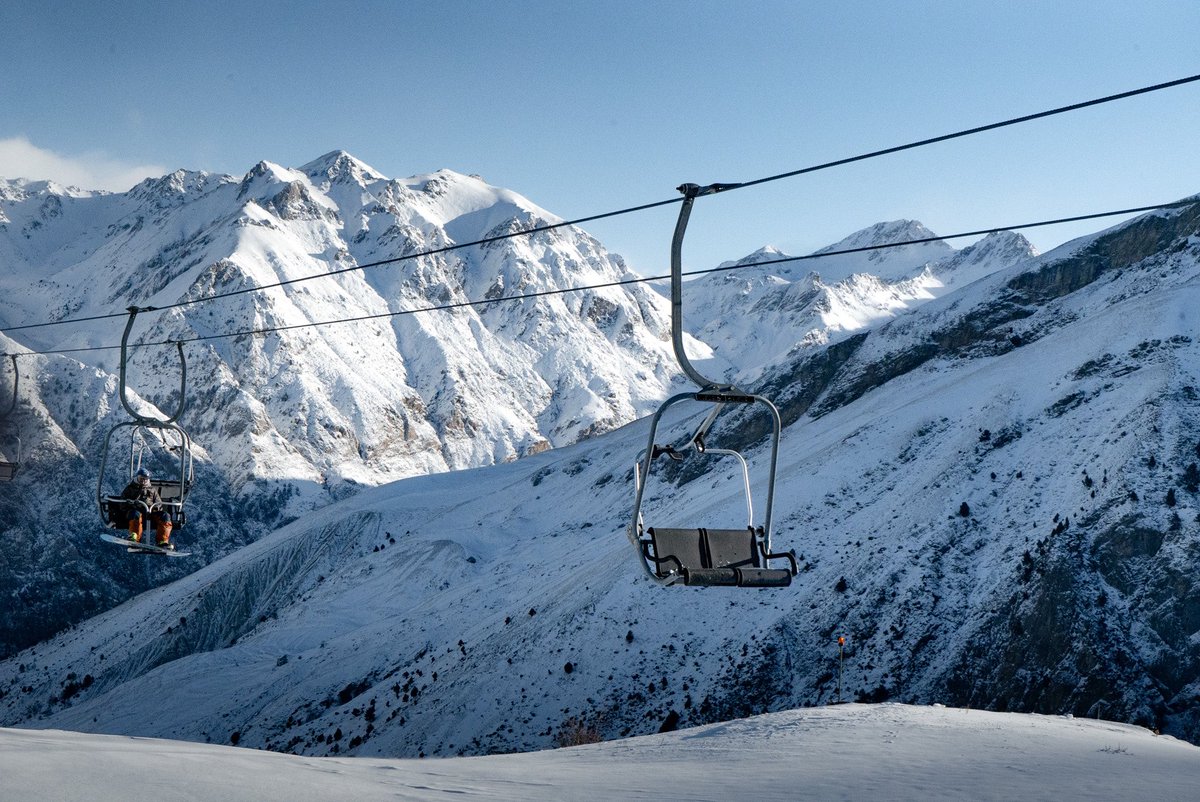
(135, 492)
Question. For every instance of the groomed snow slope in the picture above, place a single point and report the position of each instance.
(850, 752)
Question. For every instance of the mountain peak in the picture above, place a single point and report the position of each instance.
(887, 263)
(338, 166)
(17, 188)
(175, 185)
(767, 253)
(264, 174)
(884, 234)
(1009, 244)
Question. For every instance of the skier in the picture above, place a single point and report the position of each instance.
(140, 490)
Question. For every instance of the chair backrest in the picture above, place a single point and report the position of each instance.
(730, 548)
(114, 510)
(168, 491)
(696, 549)
(677, 548)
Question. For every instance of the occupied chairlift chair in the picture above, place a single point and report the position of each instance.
(700, 556)
(8, 469)
(115, 509)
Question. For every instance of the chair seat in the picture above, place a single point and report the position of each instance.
(713, 558)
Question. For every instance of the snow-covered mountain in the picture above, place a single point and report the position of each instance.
(994, 499)
(290, 420)
(394, 395)
(287, 421)
(773, 306)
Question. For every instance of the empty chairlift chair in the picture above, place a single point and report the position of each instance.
(701, 556)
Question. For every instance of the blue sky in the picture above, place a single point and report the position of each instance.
(586, 107)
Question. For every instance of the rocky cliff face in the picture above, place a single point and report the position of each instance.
(401, 391)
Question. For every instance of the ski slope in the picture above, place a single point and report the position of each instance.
(849, 752)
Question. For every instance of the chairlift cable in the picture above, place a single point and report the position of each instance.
(642, 207)
(971, 131)
(625, 282)
(977, 233)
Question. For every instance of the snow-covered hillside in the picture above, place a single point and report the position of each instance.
(851, 752)
(994, 500)
(288, 421)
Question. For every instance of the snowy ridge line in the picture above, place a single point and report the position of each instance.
(935, 238)
(911, 752)
(355, 268)
(542, 293)
(432, 252)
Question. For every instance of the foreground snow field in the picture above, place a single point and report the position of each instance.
(850, 752)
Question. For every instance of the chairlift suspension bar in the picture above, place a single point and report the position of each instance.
(143, 419)
(642, 474)
(12, 463)
(712, 391)
(690, 193)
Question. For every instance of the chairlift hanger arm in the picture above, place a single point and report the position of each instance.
(690, 193)
(133, 313)
(12, 461)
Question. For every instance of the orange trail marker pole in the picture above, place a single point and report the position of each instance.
(841, 660)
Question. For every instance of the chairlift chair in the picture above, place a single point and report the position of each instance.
(700, 556)
(154, 443)
(173, 486)
(8, 470)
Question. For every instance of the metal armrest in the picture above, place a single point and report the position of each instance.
(789, 555)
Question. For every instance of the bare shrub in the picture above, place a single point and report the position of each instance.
(576, 731)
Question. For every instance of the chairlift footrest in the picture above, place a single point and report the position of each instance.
(710, 577)
(738, 577)
(764, 577)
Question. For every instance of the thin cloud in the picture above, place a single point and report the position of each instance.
(20, 158)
